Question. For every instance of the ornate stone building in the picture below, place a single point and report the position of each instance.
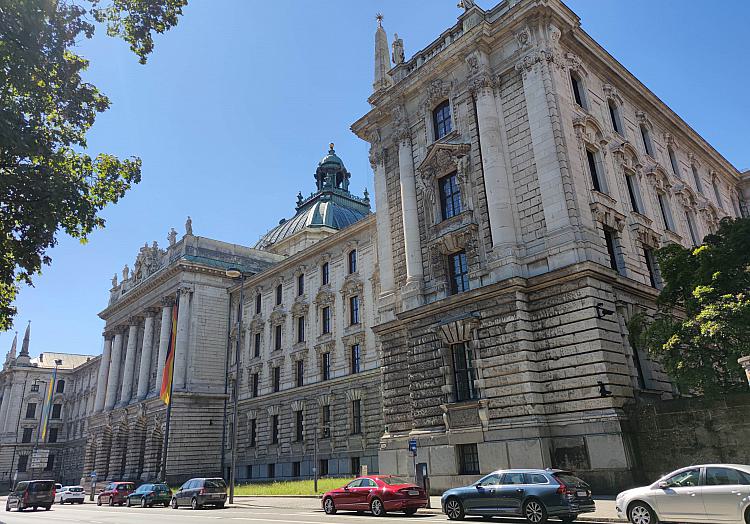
(523, 179)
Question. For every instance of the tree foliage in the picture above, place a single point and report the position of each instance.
(703, 321)
(47, 180)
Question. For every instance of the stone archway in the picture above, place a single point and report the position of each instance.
(103, 451)
(153, 453)
(118, 455)
(136, 449)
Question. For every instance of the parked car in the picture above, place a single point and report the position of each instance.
(200, 492)
(147, 495)
(535, 494)
(115, 493)
(709, 494)
(72, 494)
(376, 493)
(31, 494)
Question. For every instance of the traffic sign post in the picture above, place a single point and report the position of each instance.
(413, 450)
(93, 486)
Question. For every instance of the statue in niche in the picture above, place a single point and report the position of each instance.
(172, 236)
(398, 50)
(114, 280)
(189, 226)
(125, 273)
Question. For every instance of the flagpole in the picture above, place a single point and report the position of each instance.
(171, 389)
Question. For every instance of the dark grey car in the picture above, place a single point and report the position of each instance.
(535, 494)
(31, 494)
(200, 492)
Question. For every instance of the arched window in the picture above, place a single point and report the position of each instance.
(353, 261)
(646, 137)
(595, 171)
(278, 294)
(578, 91)
(441, 118)
(60, 387)
(614, 115)
(673, 161)
(717, 193)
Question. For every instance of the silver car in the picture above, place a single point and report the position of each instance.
(711, 493)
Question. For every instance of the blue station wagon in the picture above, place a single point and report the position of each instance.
(535, 494)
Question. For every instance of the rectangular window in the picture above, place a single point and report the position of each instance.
(450, 196)
(274, 429)
(594, 171)
(56, 410)
(577, 90)
(324, 274)
(355, 467)
(271, 471)
(279, 293)
(463, 372)
(253, 433)
(441, 119)
(614, 115)
(301, 284)
(276, 379)
(249, 471)
(60, 387)
(717, 193)
(692, 228)
(653, 271)
(27, 432)
(646, 136)
(697, 179)
(326, 319)
(356, 363)
(633, 193)
(255, 381)
(300, 373)
(609, 238)
(356, 417)
(296, 469)
(23, 461)
(459, 272)
(323, 467)
(50, 463)
(352, 261)
(325, 366)
(326, 422)
(300, 329)
(258, 303)
(468, 459)
(299, 426)
(666, 212)
(277, 338)
(256, 345)
(354, 310)
(673, 162)
(31, 410)
(52, 436)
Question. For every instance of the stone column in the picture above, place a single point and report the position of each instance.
(182, 341)
(114, 370)
(499, 202)
(385, 250)
(412, 242)
(166, 324)
(146, 352)
(101, 382)
(126, 392)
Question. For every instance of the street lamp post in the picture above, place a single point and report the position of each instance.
(236, 273)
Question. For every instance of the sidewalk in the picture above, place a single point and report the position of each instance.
(605, 509)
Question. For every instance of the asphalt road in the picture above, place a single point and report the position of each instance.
(89, 513)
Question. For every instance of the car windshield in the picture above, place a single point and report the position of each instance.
(76, 489)
(214, 483)
(394, 481)
(144, 488)
(160, 487)
(21, 486)
(570, 480)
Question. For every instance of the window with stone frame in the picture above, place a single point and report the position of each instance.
(354, 310)
(60, 386)
(648, 146)
(356, 359)
(299, 373)
(612, 242)
(579, 91)
(468, 459)
(256, 344)
(27, 433)
(276, 378)
(279, 294)
(441, 120)
(325, 273)
(717, 193)
(666, 211)
(31, 410)
(634, 192)
(356, 425)
(258, 303)
(323, 467)
(23, 461)
(325, 318)
(325, 421)
(274, 429)
(653, 268)
(595, 171)
(696, 179)
(325, 366)
(354, 467)
(50, 463)
(692, 228)
(614, 116)
(277, 330)
(464, 373)
(56, 411)
(450, 196)
(52, 435)
(300, 328)
(458, 271)
(299, 425)
(254, 384)
(673, 161)
(252, 433)
(352, 261)
(300, 284)
(271, 470)
(296, 469)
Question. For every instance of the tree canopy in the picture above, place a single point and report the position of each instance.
(47, 180)
(702, 325)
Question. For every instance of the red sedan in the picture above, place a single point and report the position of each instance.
(378, 494)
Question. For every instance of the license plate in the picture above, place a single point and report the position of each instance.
(583, 493)
(217, 496)
(413, 492)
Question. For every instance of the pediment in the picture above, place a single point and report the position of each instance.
(442, 157)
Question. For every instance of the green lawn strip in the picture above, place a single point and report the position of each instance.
(289, 488)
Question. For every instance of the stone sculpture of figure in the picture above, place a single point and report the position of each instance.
(189, 226)
(466, 4)
(172, 236)
(114, 280)
(398, 50)
(125, 272)
(155, 247)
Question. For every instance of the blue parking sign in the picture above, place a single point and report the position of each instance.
(413, 445)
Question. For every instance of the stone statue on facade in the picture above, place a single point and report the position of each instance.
(172, 236)
(398, 50)
(189, 226)
(466, 4)
(114, 280)
(125, 273)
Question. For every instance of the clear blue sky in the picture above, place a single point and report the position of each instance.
(239, 102)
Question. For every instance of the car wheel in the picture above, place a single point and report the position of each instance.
(328, 506)
(143, 502)
(47, 508)
(194, 503)
(128, 504)
(35, 508)
(641, 513)
(7, 506)
(409, 512)
(535, 512)
(377, 508)
(454, 509)
(112, 502)
(747, 516)
(173, 503)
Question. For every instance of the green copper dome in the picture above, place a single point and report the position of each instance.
(331, 159)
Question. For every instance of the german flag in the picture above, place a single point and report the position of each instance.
(166, 383)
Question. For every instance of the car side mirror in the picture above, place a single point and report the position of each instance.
(346, 488)
(480, 487)
(663, 485)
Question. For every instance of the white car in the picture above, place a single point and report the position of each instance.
(709, 494)
(72, 494)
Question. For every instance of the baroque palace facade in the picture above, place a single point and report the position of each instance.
(523, 180)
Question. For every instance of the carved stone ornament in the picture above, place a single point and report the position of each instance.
(526, 64)
(588, 130)
(523, 37)
(352, 285)
(461, 329)
(607, 215)
(437, 91)
(325, 297)
(443, 159)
